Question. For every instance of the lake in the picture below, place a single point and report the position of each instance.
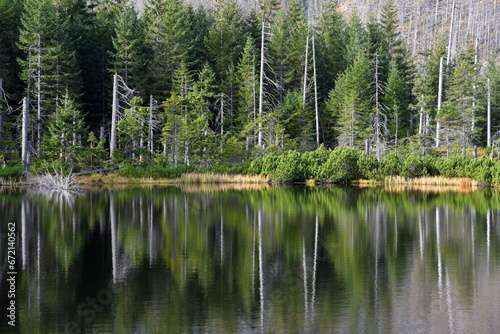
(251, 260)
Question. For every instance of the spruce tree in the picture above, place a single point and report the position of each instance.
(168, 33)
(462, 110)
(349, 103)
(247, 94)
(65, 128)
(10, 21)
(128, 57)
(331, 46)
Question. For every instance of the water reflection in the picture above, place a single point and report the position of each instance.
(293, 260)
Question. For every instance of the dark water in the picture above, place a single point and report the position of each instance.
(274, 260)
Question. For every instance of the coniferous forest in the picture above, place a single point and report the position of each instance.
(294, 90)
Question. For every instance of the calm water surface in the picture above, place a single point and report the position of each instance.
(268, 260)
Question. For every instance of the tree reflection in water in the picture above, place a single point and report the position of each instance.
(277, 259)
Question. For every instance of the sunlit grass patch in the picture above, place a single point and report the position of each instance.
(202, 178)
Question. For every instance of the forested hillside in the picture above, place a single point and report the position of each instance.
(179, 84)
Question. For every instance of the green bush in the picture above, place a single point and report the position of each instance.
(480, 169)
(269, 163)
(454, 166)
(11, 173)
(341, 166)
(391, 165)
(255, 166)
(129, 170)
(289, 167)
(313, 160)
(368, 166)
(414, 166)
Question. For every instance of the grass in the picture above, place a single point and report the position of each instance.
(214, 178)
(432, 181)
(186, 178)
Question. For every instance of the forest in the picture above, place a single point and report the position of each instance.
(229, 88)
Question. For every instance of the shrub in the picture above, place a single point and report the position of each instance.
(11, 173)
(391, 165)
(454, 166)
(255, 166)
(341, 166)
(413, 166)
(368, 166)
(289, 167)
(480, 170)
(313, 160)
(269, 163)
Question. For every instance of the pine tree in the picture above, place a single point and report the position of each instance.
(225, 40)
(396, 102)
(168, 31)
(10, 21)
(51, 67)
(177, 108)
(349, 103)
(65, 127)
(247, 94)
(132, 129)
(287, 48)
(461, 111)
(128, 57)
(493, 73)
(331, 46)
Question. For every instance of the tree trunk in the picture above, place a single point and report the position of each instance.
(488, 130)
(261, 80)
(316, 113)
(450, 37)
(304, 89)
(25, 157)
(39, 93)
(114, 116)
(150, 128)
(440, 97)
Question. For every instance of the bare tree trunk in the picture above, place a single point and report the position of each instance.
(316, 113)
(450, 37)
(114, 116)
(377, 122)
(304, 89)
(488, 116)
(150, 128)
(2, 97)
(25, 157)
(221, 115)
(440, 97)
(39, 94)
(261, 80)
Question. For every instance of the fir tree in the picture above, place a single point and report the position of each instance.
(349, 103)
(65, 128)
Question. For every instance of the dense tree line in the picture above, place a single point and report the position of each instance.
(196, 86)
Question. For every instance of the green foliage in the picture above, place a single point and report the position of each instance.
(454, 166)
(154, 171)
(414, 166)
(269, 164)
(255, 166)
(65, 129)
(12, 173)
(392, 165)
(313, 160)
(288, 167)
(341, 166)
(368, 166)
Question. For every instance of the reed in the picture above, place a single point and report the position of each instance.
(214, 178)
(432, 181)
